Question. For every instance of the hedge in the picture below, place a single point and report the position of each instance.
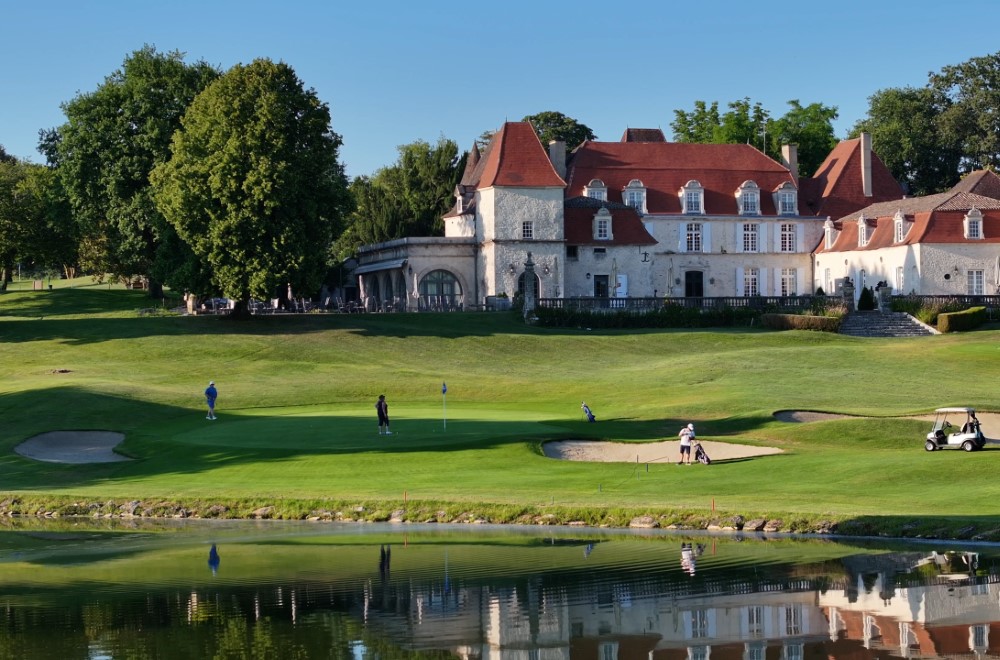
(968, 319)
(800, 322)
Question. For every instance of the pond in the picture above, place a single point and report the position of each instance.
(113, 589)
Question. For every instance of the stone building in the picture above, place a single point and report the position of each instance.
(640, 217)
(944, 244)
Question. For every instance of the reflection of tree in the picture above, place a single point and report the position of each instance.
(238, 642)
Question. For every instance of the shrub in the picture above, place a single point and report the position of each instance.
(820, 291)
(968, 319)
(866, 300)
(800, 322)
(668, 316)
(927, 312)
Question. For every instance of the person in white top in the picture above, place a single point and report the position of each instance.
(687, 437)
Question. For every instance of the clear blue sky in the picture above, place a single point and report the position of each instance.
(396, 72)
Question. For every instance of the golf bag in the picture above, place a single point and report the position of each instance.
(700, 455)
(590, 415)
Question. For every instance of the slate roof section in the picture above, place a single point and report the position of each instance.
(665, 167)
(837, 189)
(643, 135)
(515, 158)
(980, 182)
(626, 225)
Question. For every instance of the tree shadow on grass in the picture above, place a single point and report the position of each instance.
(170, 440)
(41, 321)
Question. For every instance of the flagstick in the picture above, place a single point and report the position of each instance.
(444, 402)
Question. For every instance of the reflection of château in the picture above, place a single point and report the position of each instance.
(874, 611)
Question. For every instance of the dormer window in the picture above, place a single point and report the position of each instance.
(973, 224)
(596, 190)
(864, 231)
(692, 197)
(748, 198)
(900, 227)
(602, 226)
(786, 199)
(460, 205)
(829, 234)
(634, 195)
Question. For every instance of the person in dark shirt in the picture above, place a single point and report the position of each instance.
(383, 415)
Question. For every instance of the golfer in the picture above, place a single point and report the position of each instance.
(687, 436)
(383, 415)
(210, 395)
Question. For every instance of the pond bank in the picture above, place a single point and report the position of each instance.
(415, 511)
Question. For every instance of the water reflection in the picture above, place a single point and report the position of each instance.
(491, 594)
(213, 560)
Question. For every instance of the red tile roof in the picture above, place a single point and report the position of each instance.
(665, 167)
(517, 159)
(626, 225)
(935, 219)
(837, 189)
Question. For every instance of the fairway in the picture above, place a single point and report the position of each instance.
(296, 417)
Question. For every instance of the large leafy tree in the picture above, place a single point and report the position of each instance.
(555, 126)
(971, 119)
(905, 125)
(35, 223)
(409, 197)
(255, 185)
(810, 127)
(745, 122)
(111, 141)
(550, 125)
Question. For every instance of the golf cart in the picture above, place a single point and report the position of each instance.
(944, 435)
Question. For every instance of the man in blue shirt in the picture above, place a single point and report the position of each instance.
(210, 394)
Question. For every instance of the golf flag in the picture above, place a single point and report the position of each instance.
(444, 388)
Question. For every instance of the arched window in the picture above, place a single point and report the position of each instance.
(439, 291)
(692, 197)
(748, 198)
(596, 190)
(537, 286)
(635, 195)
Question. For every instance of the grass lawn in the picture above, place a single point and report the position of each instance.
(297, 419)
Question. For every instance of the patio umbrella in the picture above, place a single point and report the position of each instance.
(614, 278)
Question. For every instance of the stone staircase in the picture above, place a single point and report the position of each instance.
(883, 324)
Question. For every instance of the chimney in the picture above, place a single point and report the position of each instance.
(557, 154)
(790, 159)
(866, 164)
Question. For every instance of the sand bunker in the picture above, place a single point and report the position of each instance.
(73, 447)
(646, 452)
(805, 416)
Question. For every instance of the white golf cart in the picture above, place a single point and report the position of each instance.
(944, 435)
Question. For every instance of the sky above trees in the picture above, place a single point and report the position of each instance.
(394, 73)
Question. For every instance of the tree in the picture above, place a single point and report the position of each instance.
(254, 185)
(35, 223)
(811, 128)
(555, 126)
(111, 141)
(410, 197)
(905, 125)
(743, 123)
(550, 126)
(973, 114)
(698, 126)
